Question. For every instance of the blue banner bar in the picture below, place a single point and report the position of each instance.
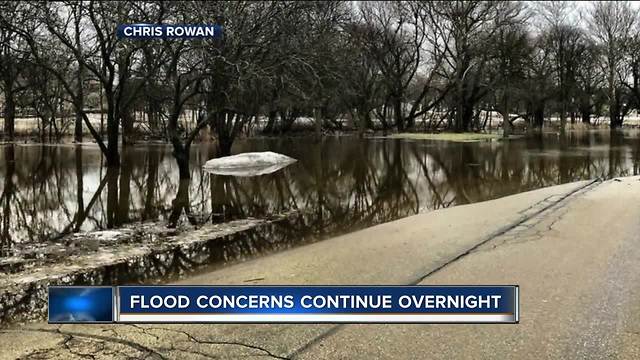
(317, 304)
(285, 304)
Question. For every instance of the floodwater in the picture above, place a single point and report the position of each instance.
(338, 185)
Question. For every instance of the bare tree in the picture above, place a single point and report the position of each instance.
(512, 52)
(472, 25)
(13, 56)
(563, 40)
(630, 75)
(611, 23)
(182, 72)
(589, 79)
(34, 37)
(362, 81)
(396, 35)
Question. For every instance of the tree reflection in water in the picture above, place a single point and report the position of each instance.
(338, 185)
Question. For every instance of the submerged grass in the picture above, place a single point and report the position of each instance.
(458, 137)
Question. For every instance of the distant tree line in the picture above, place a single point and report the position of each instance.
(391, 66)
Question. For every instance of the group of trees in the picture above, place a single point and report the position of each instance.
(412, 65)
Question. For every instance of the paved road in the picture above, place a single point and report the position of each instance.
(574, 249)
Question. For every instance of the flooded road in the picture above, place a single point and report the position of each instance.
(339, 185)
(571, 248)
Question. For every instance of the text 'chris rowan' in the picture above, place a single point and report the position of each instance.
(150, 31)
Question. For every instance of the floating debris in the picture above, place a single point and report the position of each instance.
(248, 164)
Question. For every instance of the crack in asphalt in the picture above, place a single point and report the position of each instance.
(522, 233)
(535, 205)
(212, 342)
(500, 232)
(144, 330)
(84, 355)
(68, 336)
(505, 230)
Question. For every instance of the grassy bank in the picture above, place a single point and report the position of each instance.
(458, 137)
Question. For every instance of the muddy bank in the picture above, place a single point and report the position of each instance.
(139, 253)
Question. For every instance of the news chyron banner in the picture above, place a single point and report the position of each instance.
(284, 304)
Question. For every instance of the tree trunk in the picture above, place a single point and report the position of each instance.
(152, 179)
(6, 242)
(360, 121)
(563, 115)
(113, 158)
(113, 173)
(9, 116)
(222, 208)
(79, 184)
(397, 112)
(181, 153)
(615, 120)
(127, 127)
(461, 65)
(181, 203)
(287, 118)
(152, 113)
(225, 137)
(614, 112)
(77, 133)
(467, 116)
(224, 146)
(268, 128)
(317, 118)
(538, 116)
(586, 116)
(122, 216)
(101, 111)
(506, 125)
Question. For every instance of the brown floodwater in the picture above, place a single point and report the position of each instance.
(338, 185)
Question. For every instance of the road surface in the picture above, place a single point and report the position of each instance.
(574, 250)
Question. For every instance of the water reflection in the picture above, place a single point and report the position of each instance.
(338, 184)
